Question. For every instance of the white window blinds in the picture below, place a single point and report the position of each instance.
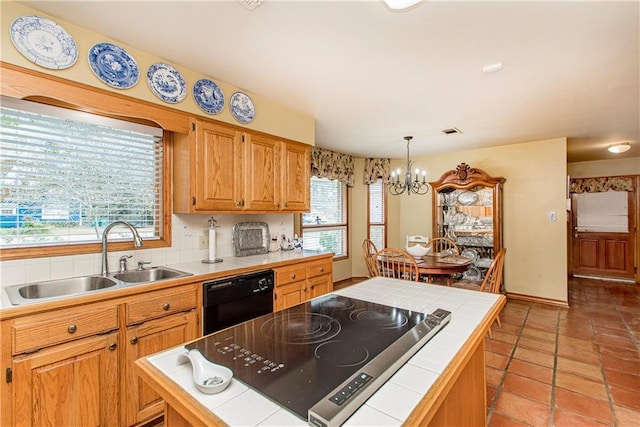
(67, 174)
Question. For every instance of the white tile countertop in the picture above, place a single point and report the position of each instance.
(394, 401)
(199, 270)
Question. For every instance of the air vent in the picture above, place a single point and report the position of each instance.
(250, 4)
(451, 131)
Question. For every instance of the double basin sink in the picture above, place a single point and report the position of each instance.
(35, 292)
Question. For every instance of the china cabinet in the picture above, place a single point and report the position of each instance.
(467, 208)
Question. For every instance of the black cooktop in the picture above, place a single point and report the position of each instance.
(299, 356)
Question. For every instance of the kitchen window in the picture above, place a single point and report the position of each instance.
(377, 226)
(324, 228)
(67, 174)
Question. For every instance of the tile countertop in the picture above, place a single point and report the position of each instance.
(393, 402)
(232, 265)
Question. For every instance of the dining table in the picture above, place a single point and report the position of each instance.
(442, 267)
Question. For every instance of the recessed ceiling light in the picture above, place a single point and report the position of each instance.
(401, 4)
(492, 68)
(619, 148)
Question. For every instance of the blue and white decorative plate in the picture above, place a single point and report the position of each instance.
(44, 42)
(242, 107)
(166, 83)
(113, 65)
(208, 96)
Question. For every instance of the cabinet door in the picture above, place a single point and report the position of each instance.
(142, 403)
(218, 168)
(296, 181)
(320, 285)
(262, 173)
(289, 295)
(72, 384)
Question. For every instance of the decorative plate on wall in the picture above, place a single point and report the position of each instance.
(166, 83)
(242, 107)
(44, 42)
(113, 65)
(208, 96)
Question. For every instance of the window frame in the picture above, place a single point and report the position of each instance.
(384, 213)
(164, 238)
(300, 227)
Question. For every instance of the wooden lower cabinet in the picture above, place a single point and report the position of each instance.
(73, 366)
(72, 384)
(295, 284)
(142, 403)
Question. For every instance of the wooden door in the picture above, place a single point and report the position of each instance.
(604, 254)
(262, 173)
(296, 177)
(218, 173)
(320, 285)
(142, 403)
(72, 384)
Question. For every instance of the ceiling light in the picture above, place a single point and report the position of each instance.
(492, 68)
(619, 148)
(401, 4)
(250, 4)
(410, 184)
(451, 131)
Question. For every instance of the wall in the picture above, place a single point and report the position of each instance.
(604, 168)
(270, 117)
(535, 264)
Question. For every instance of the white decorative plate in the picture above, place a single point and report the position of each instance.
(467, 198)
(44, 42)
(208, 96)
(166, 83)
(113, 65)
(242, 107)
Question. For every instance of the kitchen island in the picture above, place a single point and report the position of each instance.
(442, 384)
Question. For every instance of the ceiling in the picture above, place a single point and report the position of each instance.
(370, 75)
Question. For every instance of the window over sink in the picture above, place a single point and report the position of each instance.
(66, 174)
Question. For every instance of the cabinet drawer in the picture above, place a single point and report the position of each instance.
(161, 303)
(290, 274)
(43, 330)
(319, 268)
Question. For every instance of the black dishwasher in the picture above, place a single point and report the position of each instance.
(233, 300)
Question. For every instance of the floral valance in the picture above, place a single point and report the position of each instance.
(376, 168)
(332, 165)
(597, 185)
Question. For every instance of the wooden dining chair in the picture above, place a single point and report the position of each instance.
(492, 280)
(395, 263)
(369, 249)
(443, 245)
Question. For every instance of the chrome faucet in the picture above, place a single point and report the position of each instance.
(137, 241)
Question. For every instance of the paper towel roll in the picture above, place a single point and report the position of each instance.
(212, 244)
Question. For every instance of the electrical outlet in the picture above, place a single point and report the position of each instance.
(204, 242)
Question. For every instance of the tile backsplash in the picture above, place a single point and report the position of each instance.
(186, 229)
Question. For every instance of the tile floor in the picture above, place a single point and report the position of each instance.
(552, 366)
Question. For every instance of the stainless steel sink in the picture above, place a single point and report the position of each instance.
(22, 294)
(149, 275)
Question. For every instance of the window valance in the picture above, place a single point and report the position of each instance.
(597, 185)
(376, 168)
(332, 165)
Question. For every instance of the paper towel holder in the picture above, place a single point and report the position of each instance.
(212, 244)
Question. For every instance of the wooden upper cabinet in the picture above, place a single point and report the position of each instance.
(219, 168)
(296, 177)
(262, 173)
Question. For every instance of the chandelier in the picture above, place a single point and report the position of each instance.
(410, 184)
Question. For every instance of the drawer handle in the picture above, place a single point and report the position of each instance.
(321, 269)
(113, 346)
(166, 306)
(72, 328)
(293, 275)
(134, 340)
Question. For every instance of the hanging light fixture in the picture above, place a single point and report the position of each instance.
(410, 184)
